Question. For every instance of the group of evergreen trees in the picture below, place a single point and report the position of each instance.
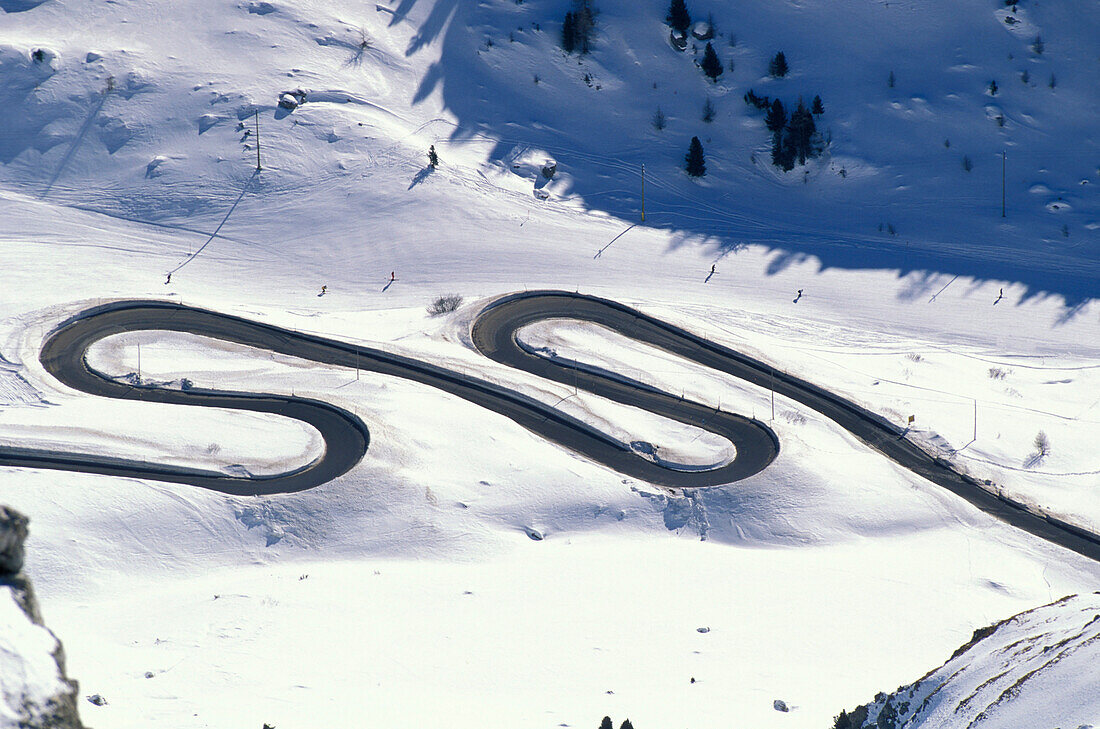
(793, 139)
(579, 27)
(606, 724)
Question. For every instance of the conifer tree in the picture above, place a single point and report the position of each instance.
(584, 23)
(993, 88)
(678, 16)
(712, 67)
(709, 110)
(696, 166)
(800, 132)
(626, 724)
(778, 66)
(776, 117)
(569, 33)
(606, 723)
(817, 108)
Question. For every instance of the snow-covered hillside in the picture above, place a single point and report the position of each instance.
(1016, 672)
(127, 150)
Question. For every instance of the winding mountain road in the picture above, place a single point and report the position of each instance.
(493, 333)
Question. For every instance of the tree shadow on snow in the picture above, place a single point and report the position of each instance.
(421, 176)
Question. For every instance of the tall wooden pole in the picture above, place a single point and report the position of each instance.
(643, 193)
(258, 166)
(1004, 162)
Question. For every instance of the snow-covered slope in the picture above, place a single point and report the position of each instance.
(1033, 668)
(123, 153)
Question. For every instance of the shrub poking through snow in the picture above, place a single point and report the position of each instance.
(444, 304)
(1042, 445)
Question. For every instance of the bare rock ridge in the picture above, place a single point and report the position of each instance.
(1035, 668)
(34, 690)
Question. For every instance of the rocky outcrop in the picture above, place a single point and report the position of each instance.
(35, 693)
(1037, 668)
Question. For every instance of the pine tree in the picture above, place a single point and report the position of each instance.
(782, 153)
(800, 132)
(993, 88)
(712, 67)
(817, 108)
(778, 66)
(569, 33)
(626, 724)
(709, 110)
(659, 119)
(678, 16)
(696, 166)
(891, 80)
(606, 723)
(584, 25)
(433, 158)
(776, 117)
(1038, 46)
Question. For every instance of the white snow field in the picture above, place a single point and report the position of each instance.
(468, 573)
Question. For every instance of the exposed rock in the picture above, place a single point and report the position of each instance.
(780, 705)
(291, 100)
(13, 532)
(34, 689)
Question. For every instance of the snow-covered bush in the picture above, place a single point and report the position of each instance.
(444, 304)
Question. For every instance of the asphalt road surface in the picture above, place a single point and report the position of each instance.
(346, 437)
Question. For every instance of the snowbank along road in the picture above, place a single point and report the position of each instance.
(494, 335)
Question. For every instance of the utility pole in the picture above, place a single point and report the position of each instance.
(1004, 162)
(357, 363)
(773, 393)
(643, 192)
(139, 363)
(975, 418)
(258, 166)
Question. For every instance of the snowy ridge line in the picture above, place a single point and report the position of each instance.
(512, 312)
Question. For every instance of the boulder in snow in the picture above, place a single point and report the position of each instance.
(13, 532)
(702, 31)
(291, 100)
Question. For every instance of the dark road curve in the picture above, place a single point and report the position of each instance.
(494, 335)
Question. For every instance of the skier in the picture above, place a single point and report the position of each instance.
(799, 296)
(712, 269)
(323, 290)
(1001, 296)
(393, 276)
(168, 280)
